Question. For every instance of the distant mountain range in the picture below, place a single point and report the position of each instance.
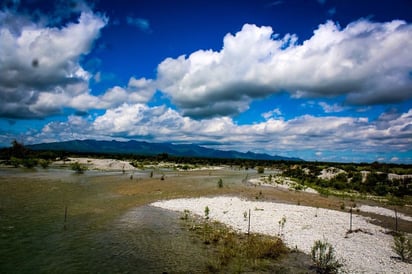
(145, 148)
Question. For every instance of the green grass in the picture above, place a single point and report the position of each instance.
(234, 252)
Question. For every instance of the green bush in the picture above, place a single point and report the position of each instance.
(79, 168)
(323, 256)
(220, 183)
(16, 162)
(402, 246)
(261, 170)
(29, 162)
(44, 163)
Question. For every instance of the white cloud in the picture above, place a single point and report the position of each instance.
(97, 77)
(273, 113)
(40, 71)
(39, 68)
(358, 61)
(331, 108)
(137, 91)
(394, 159)
(347, 135)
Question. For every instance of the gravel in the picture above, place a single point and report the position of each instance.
(366, 251)
(384, 211)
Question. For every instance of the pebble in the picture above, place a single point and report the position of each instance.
(360, 252)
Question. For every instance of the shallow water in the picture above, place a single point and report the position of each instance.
(100, 236)
(109, 227)
(153, 240)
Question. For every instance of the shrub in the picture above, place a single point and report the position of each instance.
(16, 162)
(44, 163)
(264, 247)
(185, 215)
(79, 168)
(207, 210)
(402, 246)
(29, 162)
(261, 170)
(323, 256)
(282, 223)
(220, 183)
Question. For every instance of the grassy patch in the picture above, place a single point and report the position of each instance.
(234, 252)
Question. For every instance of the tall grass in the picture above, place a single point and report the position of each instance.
(237, 252)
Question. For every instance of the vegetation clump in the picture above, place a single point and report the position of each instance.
(207, 211)
(323, 256)
(402, 246)
(220, 183)
(79, 168)
(44, 163)
(236, 252)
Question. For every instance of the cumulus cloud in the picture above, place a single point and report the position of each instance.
(367, 62)
(137, 91)
(39, 66)
(275, 135)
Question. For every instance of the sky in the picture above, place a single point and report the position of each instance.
(321, 80)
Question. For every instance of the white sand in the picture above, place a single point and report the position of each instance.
(280, 182)
(361, 252)
(103, 164)
(330, 173)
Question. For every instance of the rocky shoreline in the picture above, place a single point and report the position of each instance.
(366, 250)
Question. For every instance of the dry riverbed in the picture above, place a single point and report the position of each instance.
(366, 251)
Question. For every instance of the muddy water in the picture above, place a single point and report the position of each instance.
(100, 237)
(151, 240)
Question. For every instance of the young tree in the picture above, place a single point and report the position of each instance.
(402, 245)
(220, 183)
(18, 150)
(323, 255)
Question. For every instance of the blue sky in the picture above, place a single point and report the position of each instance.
(317, 79)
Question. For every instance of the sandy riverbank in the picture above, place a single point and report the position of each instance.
(101, 164)
(368, 251)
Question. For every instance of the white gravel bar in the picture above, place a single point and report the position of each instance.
(368, 251)
(384, 211)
